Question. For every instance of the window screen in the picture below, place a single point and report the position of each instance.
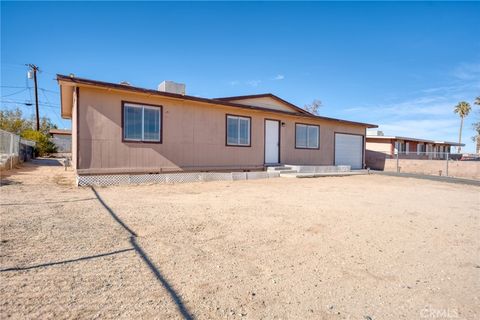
(141, 123)
(307, 136)
(238, 131)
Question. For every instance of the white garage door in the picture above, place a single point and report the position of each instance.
(349, 150)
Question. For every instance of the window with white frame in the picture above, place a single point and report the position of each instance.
(238, 131)
(307, 136)
(141, 122)
(401, 146)
(420, 148)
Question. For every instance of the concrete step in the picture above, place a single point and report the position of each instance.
(325, 174)
(286, 171)
(319, 169)
(278, 168)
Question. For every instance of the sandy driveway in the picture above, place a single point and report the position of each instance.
(326, 248)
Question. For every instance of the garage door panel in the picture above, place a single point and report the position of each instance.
(349, 150)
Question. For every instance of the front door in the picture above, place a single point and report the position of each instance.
(272, 141)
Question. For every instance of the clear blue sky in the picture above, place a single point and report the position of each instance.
(400, 65)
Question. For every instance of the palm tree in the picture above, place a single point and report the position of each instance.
(462, 109)
(477, 101)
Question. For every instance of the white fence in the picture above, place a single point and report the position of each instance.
(14, 149)
(429, 163)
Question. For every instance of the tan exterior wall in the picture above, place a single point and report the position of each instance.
(384, 146)
(193, 137)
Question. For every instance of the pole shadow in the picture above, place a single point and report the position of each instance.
(45, 202)
(175, 297)
(182, 309)
(49, 264)
(114, 216)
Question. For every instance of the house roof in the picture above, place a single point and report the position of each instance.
(265, 95)
(60, 131)
(456, 144)
(64, 80)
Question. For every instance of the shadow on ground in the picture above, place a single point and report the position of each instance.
(49, 264)
(182, 309)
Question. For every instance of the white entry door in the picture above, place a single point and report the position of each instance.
(349, 150)
(272, 141)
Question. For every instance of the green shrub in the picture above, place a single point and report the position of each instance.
(44, 145)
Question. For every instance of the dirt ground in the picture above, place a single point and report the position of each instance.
(359, 247)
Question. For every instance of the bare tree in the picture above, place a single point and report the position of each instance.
(314, 107)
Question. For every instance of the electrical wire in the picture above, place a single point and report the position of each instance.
(51, 91)
(16, 92)
(12, 87)
(30, 103)
(28, 87)
(61, 121)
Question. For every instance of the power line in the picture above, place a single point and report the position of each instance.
(20, 105)
(20, 65)
(30, 103)
(27, 104)
(13, 87)
(55, 113)
(13, 65)
(16, 92)
(28, 87)
(30, 93)
(28, 110)
(57, 92)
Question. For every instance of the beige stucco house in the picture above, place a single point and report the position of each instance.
(119, 128)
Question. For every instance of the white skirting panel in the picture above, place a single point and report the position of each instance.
(109, 180)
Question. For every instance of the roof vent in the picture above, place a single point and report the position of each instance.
(172, 87)
(125, 83)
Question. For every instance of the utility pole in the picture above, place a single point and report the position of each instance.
(35, 69)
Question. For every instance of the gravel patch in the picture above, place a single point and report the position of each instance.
(358, 247)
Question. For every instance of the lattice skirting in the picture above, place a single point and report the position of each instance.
(108, 180)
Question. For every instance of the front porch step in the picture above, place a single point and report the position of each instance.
(305, 171)
(287, 171)
(278, 168)
(324, 174)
